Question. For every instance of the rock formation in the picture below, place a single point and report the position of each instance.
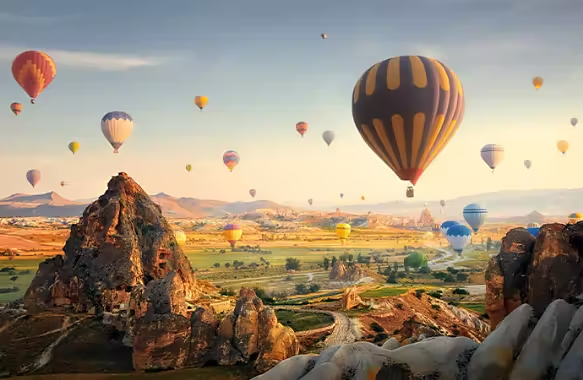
(343, 272)
(122, 264)
(350, 298)
(535, 271)
(522, 347)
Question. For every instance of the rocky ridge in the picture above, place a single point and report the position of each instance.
(346, 272)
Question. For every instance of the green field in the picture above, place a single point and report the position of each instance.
(386, 291)
(477, 307)
(23, 280)
(303, 321)
(210, 373)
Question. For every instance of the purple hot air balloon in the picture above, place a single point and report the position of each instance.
(33, 177)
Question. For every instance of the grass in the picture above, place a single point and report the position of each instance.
(387, 291)
(23, 280)
(477, 307)
(303, 321)
(209, 373)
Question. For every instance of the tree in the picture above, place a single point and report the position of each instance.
(326, 263)
(301, 288)
(452, 270)
(439, 275)
(13, 278)
(396, 266)
(489, 244)
(461, 277)
(333, 261)
(449, 278)
(350, 257)
(227, 265)
(425, 269)
(415, 260)
(401, 274)
(392, 279)
(314, 288)
(291, 263)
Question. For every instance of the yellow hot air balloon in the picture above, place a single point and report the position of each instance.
(232, 233)
(537, 82)
(180, 237)
(188, 167)
(362, 198)
(201, 101)
(74, 146)
(575, 217)
(343, 231)
(563, 146)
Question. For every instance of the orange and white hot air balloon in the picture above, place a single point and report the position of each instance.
(201, 101)
(537, 82)
(34, 71)
(563, 146)
(16, 108)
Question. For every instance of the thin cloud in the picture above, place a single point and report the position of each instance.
(87, 60)
(6, 17)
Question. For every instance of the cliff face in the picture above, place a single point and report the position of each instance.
(346, 272)
(535, 271)
(121, 241)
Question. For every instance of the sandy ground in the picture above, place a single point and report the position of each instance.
(17, 242)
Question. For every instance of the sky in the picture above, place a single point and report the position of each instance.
(264, 67)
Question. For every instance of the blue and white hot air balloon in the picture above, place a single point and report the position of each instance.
(458, 236)
(117, 126)
(533, 230)
(475, 215)
(446, 225)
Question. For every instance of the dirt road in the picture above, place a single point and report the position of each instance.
(344, 328)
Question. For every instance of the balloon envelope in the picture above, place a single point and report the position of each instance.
(302, 127)
(475, 215)
(252, 192)
(527, 163)
(446, 225)
(407, 109)
(533, 231)
(232, 233)
(180, 237)
(537, 82)
(16, 108)
(575, 217)
(117, 126)
(563, 146)
(442, 203)
(459, 236)
(231, 159)
(33, 177)
(310, 201)
(33, 71)
(343, 231)
(188, 167)
(574, 121)
(74, 146)
(328, 137)
(201, 101)
(492, 154)
(532, 225)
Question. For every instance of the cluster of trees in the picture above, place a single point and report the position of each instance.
(307, 288)
(346, 257)
(451, 275)
(240, 264)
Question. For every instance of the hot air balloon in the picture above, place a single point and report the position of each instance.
(117, 126)
(533, 231)
(563, 146)
(310, 201)
(475, 215)
(231, 159)
(328, 137)
(362, 197)
(407, 109)
(180, 237)
(201, 101)
(343, 231)
(532, 225)
(492, 154)
(74, 146)
(33, 177)
(341, 195)
(252, 192)
(575, 217)
(537, 82)
(442, 203)
(63, 183)
(188, 167)
(425, 204)
(337, 209)
(574, 121)
(16, 108)
(428, 235)
(410, 192)
(34, 71)
(458, 236)
(324, 36)
(232, 233)
(302, 127)
(527, 163)
(446, 225)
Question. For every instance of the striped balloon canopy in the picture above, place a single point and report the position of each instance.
(475, 215)
(493, 155)
(407, 109)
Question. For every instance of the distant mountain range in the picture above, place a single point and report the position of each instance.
(508, 204)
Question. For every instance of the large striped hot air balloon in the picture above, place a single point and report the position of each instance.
(533, 225)
(231, 159)
(458, 236)
(446, 225)
(492, 154)
(34, 71)
(33, 177)
(117, 126)
(575, 217)
(343, 232)
(232, 233)
(475, 215)
(407, 109)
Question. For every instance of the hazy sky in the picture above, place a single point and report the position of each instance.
(264, 67)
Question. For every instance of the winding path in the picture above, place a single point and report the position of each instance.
(343, 327)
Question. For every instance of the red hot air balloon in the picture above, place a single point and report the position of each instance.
(34, 71)
(302, 127)
(16, 108)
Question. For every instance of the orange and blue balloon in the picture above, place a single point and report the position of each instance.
(231, 159)
(33, 71)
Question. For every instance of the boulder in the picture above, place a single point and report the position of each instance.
(350, 298)
(346, 272)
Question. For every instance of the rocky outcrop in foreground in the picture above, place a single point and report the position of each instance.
(123, 265)
(535, 271)
(522, 347)
(346, 272)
